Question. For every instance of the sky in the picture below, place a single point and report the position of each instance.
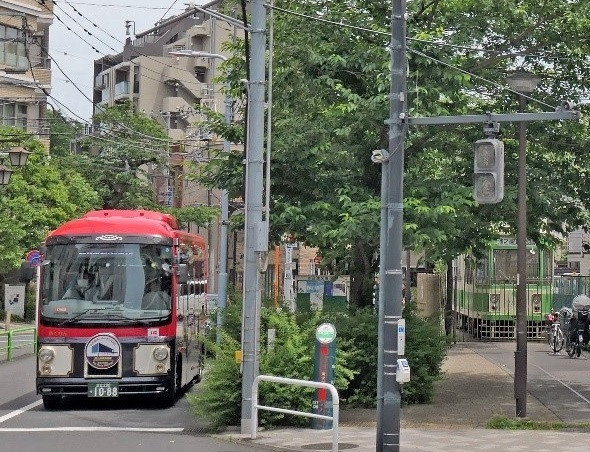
(74, 50)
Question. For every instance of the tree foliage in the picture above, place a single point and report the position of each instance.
(40, 196)
(331, 82)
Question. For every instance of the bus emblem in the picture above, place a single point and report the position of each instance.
(109, 237)
(103, 351)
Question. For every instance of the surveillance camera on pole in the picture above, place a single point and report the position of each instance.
(488, 171)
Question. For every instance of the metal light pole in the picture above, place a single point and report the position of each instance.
(222, 277)
(523, 83)
(390, 246)
(256, 229)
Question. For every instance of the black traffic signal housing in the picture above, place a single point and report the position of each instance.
(488, 171)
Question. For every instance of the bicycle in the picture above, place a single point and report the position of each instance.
(555, 335)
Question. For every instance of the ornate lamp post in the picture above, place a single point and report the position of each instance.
(18, 157)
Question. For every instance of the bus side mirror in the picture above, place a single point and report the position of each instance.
(27, 272)
(182, 273)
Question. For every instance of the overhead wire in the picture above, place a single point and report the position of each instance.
(188, 82)
(438, 43)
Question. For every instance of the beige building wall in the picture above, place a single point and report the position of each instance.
(25, 78)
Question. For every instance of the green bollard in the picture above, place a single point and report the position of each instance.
(325, 359)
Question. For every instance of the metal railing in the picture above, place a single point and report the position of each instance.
(16, 339)
(291, 381)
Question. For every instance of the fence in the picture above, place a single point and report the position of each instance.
(291, 381)
(488, 312)
(17, 340)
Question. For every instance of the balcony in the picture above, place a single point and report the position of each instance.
(121, 88)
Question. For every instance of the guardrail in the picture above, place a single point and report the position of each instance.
(291, 381)
(16, 339)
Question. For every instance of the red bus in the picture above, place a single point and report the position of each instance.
(121, 306)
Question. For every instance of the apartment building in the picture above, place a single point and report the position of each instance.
(25, 70)
(169, 88)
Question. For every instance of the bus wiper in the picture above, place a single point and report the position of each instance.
(118, 316)
(79, 315)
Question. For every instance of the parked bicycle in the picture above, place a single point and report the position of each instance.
(555, 335)
(578, 326)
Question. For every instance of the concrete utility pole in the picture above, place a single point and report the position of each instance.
(390, 299)
(256, 230)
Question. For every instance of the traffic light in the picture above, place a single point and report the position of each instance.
(488, 171)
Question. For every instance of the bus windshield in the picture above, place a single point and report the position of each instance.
(87, 283)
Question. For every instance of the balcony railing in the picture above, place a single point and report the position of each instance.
(122, 88)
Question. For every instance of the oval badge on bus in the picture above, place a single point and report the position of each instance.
(103, 351)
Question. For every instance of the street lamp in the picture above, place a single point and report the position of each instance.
(224, 201)
(523, 83)
(18, 157)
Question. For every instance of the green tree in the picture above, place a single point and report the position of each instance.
(125, 142)
(40, 196)
(330, 101)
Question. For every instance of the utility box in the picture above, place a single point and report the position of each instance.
(403, 371)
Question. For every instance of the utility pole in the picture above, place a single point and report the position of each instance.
(390, 299)
(256, 230)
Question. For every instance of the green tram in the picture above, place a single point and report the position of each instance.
(486, 291)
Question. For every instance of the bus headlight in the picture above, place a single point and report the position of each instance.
(160, 353)
(46, 354)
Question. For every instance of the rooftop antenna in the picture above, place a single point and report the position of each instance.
(128, 26)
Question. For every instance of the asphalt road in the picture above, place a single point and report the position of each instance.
(95, 426)
(559, 382)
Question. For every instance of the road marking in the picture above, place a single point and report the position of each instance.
(564, 384)
(20, 411)
(95, 429)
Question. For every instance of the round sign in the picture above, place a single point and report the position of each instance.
(325, 333)
(103, 351)
(34, 257)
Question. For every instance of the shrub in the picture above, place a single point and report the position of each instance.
(292, 356)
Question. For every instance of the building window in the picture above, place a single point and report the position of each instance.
(201, 73)
(13, 114)
(12, 49)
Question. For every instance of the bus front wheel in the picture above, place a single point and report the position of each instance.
(52, 402)
(169, 398)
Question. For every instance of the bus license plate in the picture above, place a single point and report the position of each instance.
(96, 389)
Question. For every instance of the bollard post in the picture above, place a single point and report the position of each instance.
(325, 359)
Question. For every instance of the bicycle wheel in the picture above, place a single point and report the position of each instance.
(558, 340)
(570, 348)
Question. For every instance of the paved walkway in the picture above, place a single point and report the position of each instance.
(472, 391)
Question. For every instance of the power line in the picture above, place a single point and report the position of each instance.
(102, 5)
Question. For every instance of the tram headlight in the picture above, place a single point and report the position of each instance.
(160, 353)
(46, 354)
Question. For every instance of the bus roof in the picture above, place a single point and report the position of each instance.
(120, 222)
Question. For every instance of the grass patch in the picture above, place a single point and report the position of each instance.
(508, 423)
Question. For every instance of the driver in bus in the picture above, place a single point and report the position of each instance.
(82, 288)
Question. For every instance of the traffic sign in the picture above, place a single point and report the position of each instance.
(34, 257)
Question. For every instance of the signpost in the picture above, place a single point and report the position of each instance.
(325, 359)
(14, 299)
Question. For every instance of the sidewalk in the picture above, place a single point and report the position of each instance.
(472, 391)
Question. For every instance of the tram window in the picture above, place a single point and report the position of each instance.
(505, 266)
(481, 271)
